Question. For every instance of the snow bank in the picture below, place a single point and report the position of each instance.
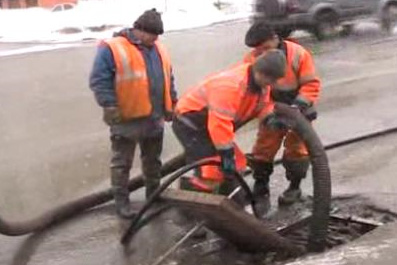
(92, 19)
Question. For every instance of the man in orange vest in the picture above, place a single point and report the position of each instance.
(300, 87)
(132, 81)
(208, 115)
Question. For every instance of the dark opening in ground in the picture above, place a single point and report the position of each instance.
(341, 230)
(351, 218)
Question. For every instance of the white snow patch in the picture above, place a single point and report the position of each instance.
(38, 24)
(37, 48)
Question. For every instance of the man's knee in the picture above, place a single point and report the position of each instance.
(297, 151)
(151, 165)
(295, 147)
(296, 169)
(151, 150)
(266, 152)
(122, 153)
(267, 145)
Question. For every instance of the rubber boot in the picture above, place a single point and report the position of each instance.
(228, 186)
(261, 173)
(295, 172)
(119, 180)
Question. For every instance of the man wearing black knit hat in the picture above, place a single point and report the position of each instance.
(132, 81)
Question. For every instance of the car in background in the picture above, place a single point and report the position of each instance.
(63, 7)
(323, 18)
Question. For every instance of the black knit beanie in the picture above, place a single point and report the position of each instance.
(150, 22)
(258, 33)
(272, 63)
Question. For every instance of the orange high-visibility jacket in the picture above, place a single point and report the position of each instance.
(300, 79)
(132, 83)
(226, 98)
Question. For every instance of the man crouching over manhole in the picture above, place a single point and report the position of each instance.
(207, 116)
(133, 82)
(300, 87)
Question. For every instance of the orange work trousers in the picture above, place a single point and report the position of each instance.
(269, 141)
(214, 173)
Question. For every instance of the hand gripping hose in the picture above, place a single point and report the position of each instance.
(321, 181)
(73, 208)
(320, 171)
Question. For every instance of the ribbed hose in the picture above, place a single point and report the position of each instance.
(70, 209)
(321, 183)
(321, 175)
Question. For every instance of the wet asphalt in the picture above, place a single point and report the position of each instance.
(55, 147)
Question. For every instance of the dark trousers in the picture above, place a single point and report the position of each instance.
(197, 144)
(123, 150)
(195, 140)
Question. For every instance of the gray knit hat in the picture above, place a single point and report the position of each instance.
(272, 63)
(150, 21)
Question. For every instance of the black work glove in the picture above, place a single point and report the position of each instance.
(228, 163)
(272, 122)
(307, 109)
(111, 115)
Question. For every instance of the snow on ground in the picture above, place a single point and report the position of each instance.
(95, 19)
(37, 48)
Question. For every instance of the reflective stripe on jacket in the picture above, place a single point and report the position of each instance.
(300, 79)
(132, 82)
(228, 101)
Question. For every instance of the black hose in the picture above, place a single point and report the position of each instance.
(77, 206)
(153, 215)
(73, 208)
(155, 195)
(361, 138)
(343, 143)
(321, 181)
(130, 232)
(321, 175)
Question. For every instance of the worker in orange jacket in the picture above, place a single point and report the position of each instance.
(300, 87)
(132, 81)
(208, 115)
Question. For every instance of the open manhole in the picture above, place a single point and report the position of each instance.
(351, 219)
(341, 230)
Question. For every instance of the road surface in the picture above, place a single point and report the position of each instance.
(55, 147)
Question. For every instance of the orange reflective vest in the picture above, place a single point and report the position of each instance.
(300, 77)
(132, 83)
(228, 101)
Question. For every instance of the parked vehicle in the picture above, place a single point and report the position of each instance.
(323, 18)
(63, 7)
